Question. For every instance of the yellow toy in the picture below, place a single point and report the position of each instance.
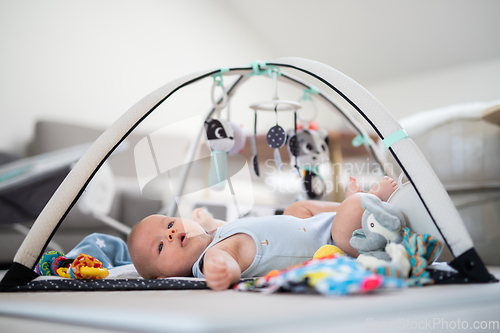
(83, 267)
(327, 250)
(87, 267)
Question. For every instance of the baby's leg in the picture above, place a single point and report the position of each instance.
(206, 220)
(308, 208)
(350, 212)
(347, 219)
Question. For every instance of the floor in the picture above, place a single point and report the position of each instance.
(444, 307)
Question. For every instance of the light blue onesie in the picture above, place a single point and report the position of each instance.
(281, 240)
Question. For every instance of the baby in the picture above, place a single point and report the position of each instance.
(223, 253)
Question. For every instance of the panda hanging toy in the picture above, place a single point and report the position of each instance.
(219, 134)
(308, 150)
(220, 137)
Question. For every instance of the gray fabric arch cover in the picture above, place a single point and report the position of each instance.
(411, 160)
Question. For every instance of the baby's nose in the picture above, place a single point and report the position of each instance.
(170, 234)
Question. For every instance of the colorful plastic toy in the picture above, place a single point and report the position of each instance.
(87, 267)
(327, 251)
(83, 267)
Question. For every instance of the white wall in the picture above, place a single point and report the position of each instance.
(88, 62)
(474, 82)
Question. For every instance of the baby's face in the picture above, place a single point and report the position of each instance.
(167, 246)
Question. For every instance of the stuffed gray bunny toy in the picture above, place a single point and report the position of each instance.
(381, 223)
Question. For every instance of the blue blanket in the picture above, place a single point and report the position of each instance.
(110, 250)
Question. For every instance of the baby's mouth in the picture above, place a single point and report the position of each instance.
(183, 239)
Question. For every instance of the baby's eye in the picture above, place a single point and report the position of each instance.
(170, 225)
(160, 247)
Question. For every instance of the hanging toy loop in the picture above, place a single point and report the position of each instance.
(273, 73)
(308, 93)
(218, 82)
(307, 97)
(275, 104)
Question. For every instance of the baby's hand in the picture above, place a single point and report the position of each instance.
(217, 274)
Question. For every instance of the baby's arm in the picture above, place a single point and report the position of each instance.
(221, 270)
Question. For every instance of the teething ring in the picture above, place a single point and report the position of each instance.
(46, 263)
(95, 273)
(87, 267)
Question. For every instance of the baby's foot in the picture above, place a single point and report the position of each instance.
(202, 217)
(384, 188)
(353, 187)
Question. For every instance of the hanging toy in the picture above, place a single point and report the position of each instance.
(239, 139)
(255, 161)
(308, 150)
(220, 137)
(219, 134)
(276, 138)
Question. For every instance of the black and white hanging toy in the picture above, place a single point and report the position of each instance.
(220, 137)
(276, 136)
(308, 150)
(255, 160)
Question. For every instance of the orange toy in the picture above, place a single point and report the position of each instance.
(87, 267)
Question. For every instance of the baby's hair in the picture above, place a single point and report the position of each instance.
(132, 233)
(130, 242)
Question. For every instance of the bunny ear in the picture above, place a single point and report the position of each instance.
(370, 202)
(385, 213)
(390, 221)
(394, 211)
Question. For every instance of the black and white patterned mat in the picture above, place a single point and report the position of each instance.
(113, 285)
